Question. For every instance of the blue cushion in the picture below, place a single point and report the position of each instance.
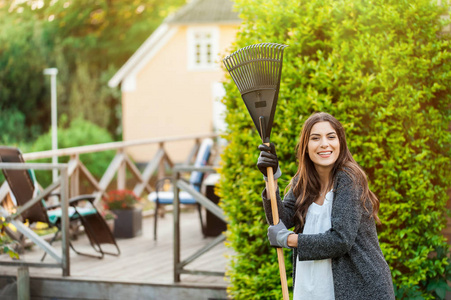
(168, 197)
(201, 160)
(55, 214)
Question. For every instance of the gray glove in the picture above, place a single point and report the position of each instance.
(278, 235)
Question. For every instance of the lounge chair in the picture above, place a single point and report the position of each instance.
(196, 178)
(22, 184)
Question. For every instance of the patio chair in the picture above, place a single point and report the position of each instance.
(196, 178)
(22, 184)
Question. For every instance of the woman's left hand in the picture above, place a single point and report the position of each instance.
(278, 235)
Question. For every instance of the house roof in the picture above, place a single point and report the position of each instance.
(205, 11)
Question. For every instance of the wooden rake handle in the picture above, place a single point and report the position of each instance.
(275, 217)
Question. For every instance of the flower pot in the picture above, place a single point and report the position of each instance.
(128, 223)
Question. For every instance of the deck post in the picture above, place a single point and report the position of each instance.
(161, 166)
(23, 283)
(75, 178)
(65, 222)
(176, 216)
(121, 172)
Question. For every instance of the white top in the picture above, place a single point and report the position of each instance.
(314, 277)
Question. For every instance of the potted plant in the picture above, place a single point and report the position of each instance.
(124, 204)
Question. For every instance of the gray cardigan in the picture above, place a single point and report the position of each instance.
(358, 266)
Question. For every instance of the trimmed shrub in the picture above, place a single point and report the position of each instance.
(383, 68)
(79, 133)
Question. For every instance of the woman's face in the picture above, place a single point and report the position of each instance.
(323, 146)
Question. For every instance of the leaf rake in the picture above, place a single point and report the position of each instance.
(256, 71)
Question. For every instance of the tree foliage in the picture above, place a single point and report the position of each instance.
(383, 69)
(86, 40)
(21, 79)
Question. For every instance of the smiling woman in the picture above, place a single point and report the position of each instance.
(336, 248)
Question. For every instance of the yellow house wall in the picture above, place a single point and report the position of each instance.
(170, 100)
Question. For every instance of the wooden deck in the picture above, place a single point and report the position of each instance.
(143, 263)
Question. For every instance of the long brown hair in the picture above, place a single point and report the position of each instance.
(306, 183)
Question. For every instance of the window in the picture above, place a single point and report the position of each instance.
(202, 48)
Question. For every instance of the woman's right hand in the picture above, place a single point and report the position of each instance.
(268, 158)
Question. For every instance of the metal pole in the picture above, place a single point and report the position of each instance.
(65, 221)
(176, 216)
(53, 72)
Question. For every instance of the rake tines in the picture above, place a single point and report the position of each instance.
(256, 71)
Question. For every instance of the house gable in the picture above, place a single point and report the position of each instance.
(200, 12)
(159, 38)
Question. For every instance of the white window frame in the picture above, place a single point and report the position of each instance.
(219, 109)
(193, 42)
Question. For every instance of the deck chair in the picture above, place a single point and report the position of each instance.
(196, 178)
(22, 184)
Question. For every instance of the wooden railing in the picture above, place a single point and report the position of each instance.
(120, 163)
(69, 184)
(180, 185)
(62, 261)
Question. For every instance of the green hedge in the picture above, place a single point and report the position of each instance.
(383, 68)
